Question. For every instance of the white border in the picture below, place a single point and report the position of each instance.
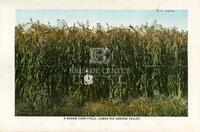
(8, 122)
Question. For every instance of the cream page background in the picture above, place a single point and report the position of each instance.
(10, 122)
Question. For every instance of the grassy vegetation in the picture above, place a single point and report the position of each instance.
(156, 57)
(136, 107)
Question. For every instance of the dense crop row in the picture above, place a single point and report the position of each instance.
(44, 54)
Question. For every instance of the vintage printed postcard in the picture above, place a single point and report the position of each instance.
(99, 66)
(101, 63)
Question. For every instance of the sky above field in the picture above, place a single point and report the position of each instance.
(116, 18)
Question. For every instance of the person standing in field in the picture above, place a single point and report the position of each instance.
(89, 90)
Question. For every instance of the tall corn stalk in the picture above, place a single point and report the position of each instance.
(156, 56)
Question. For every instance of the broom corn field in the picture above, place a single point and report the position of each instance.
(150, 63)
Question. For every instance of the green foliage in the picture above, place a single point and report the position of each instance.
(156, 56)
(137, 107)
